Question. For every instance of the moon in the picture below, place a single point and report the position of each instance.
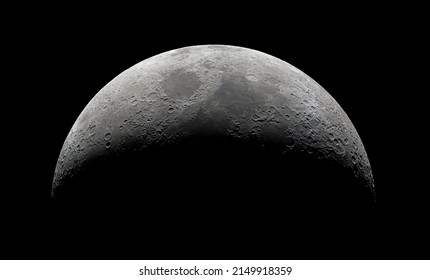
(209, 128)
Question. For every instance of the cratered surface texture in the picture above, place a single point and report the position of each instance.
(213, 127)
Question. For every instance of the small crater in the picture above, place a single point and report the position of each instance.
(258, 118)
(208, 64)
(346, 141)
(313, 123)
(271, 110)
(309, 150)
(170, 110)
(289, 142)
(107, 146)
(254, 132)
(252, 77)
(92, 129)
(108, 136)
(151, 97)
(134, 101)
(339, 149)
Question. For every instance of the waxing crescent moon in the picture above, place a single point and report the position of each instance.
(213, 121)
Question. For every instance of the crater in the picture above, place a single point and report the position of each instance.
(181, 84)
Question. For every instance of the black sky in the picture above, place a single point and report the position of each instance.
(62, 60)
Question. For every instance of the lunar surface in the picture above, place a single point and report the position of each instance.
(209, 128)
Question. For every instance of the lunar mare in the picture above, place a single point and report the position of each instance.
(210, 95)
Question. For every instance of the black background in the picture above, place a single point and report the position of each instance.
(360, 55)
